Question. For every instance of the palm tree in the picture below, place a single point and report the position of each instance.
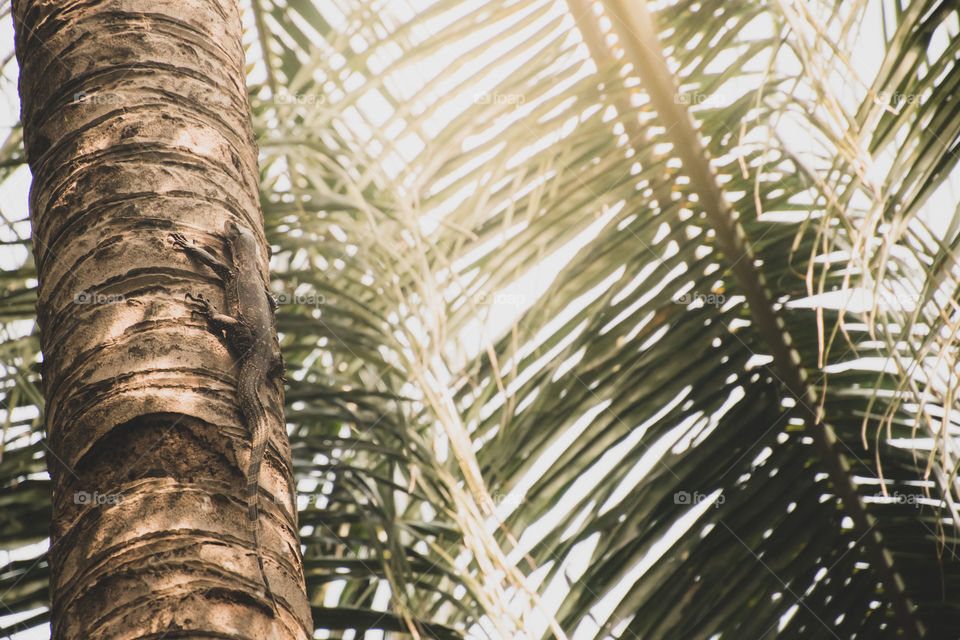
(137, 127)
(591, 335)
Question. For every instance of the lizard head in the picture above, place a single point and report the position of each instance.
(240, 239)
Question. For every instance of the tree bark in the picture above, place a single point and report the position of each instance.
(136, 126)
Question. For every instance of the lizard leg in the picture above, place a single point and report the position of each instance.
(277, 367)
(217, 319)
(222, 321)
(271, 299)
(219, 267)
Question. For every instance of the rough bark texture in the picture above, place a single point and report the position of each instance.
(136, 126)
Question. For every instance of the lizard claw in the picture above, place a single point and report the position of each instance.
(199, 299)
(178, 240)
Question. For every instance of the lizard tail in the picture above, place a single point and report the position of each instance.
(256, 419)
(263, 572)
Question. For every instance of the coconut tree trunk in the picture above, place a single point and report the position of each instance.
(136, 127)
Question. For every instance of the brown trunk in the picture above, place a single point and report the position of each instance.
(136, 126)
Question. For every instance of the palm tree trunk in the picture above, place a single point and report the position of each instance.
(137, 126)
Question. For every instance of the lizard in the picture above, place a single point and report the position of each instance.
(249, 329)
